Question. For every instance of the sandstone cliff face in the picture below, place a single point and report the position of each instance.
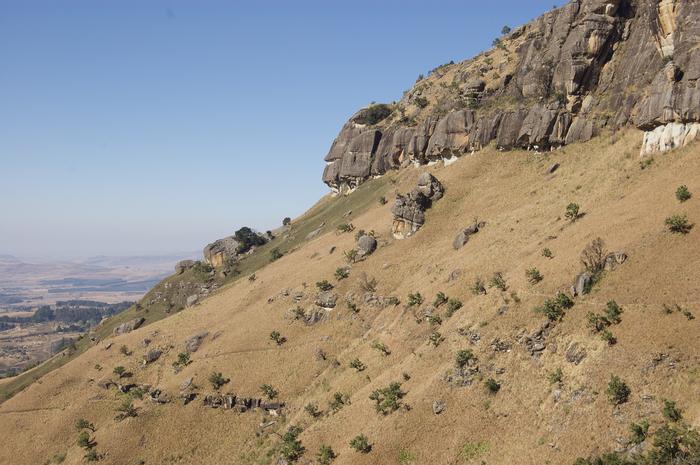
(575, 71)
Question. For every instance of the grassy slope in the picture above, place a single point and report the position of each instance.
(523, 208)
(328, 210)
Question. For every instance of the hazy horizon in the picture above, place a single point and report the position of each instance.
(133, 128)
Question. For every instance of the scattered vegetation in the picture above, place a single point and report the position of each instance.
(119, 371)
(415, 299)
(388, 399)
(374, 114)
(533, 275)
(678, 224)
(357, 364)
(346, 227)
(299, 313)
(325, 455)
(275, 254)
(216, 379)
(618, 392)
(498, 281)
(269, 391)
(434, 320)
(492, 385)
(435, 338)
(472, 450)
(292, 448)
(463, 357)
(556, 376)
(671, 412)
(573, 212)
(183, 359)
(339, 401)
(383, 200)
(342, 273)
(82, 424)
(324, 285)
(547, 253)
(126, 410)
(277, 338)
(683, 194)
(638, 432)
(312, 410)
(350, 256)
(478, 287)
(555, 308)
(452, 306)
(381, 347)
(440, 298)
(368, 284)
(361, 444)
(124, 350)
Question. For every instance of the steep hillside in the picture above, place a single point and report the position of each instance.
(529, 420)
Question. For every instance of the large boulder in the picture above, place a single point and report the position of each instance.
(192, 343)
(463, 236)
(582, 283)
(409, 210)
(326, 299)
(221, 251)
(366, 245)
(128, 326)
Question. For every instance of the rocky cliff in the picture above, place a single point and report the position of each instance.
(576, 71)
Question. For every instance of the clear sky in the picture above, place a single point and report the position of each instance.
(147, 127)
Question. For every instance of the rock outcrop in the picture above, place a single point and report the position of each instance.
(575, 71)
(409, 210)
(128, 326)
(220, 251)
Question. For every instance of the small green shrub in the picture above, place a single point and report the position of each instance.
(324, 285)
(325, 455)
(357, 365)
(276, 337)
(85, 441)
(126, 410)
(618, 392)
(299, 313)
(613, 312)
(119, 371)
(346, 227)
(638, 432)
(286, 221)
(547, 253)
(216, 378)
(556, 376)
(440, 298)
(393, 300)
(683, 194)
(292, 448)
(533, 276)
(434, 320)
(183, 359)
(388, 399)
(275, 254)
(124, 350)
(82, 423)
(608, 337)
(554, 309)
(573, 212)
(341, 273)
(361, 444)
(269, 391)
(350, 256)
(478, 287)
(498, 281)
(91, 456)
(339, 401)
(671, 412)
(381, 347)
(383, 200)
(678, 224)
(415, 299)
(374, 114)
(452, 306)
(472, 450)
(492, 385)
(435, 338)
(352, 306)
(463, 357)
(312, 410)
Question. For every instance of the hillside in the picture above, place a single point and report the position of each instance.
(505, 271)
(523, 207)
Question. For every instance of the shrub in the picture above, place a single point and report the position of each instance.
(492, 385)
(393, 300)
(342, 273)
(554, 308)
(383, 200)
(596, 322)
(269, 391)
(277, 338)
(352, 306)
(82, 423)
(247, 239)
(608, 337)
(183, 359)
(547, 253)
(388, 399)
(671, 412)
(556, 376)
(618, 392)
(339, 401)
(374, 114)
(435, 338)
(593, 256)
(84, 440)
(345, 227)
(415, 299)
(368, 284)
(286, 221)
(678, 224)
(275, 254)
(440, 298)
(292, 448)
(646, 163)
(613, 312)
(381, 347)
(312, 410)
(357, 365)
(573, 212)
(472, 450)
(478, 287)
(638, 432)
(119, 371)
(533, 275)
(217, 380)
(299, 313)
(126, 409)
(463, 357)
(325, 455)
(452, 306)
(498, 281)
(683, 194)
(361, 444)
(124, 350)
(350, 255)
(434, 320)
(421, 101)
(324, 285)
(505, 30)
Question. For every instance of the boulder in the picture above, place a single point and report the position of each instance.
(184, 265)
(186, 384)
(409, 210)
(430, 187)
(152, 355)
(613, 259)
(221, 251)
(326, 299)
(582, 283)
(366, 245)
(128, 326)
(438, 407)
(192, 343)
(463, 236)
(192, 300)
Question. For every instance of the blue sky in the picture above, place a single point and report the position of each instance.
(147, 127)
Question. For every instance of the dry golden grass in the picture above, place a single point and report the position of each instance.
(524, 211)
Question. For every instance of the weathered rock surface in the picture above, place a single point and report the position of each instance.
(409, 210)
(219, 252)
(366, 245)
(192, 343)
(183, 265)
(589, 65)
(326, 299)
(463, 236)
(582, 283)
(152, 355)
(128, 326)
